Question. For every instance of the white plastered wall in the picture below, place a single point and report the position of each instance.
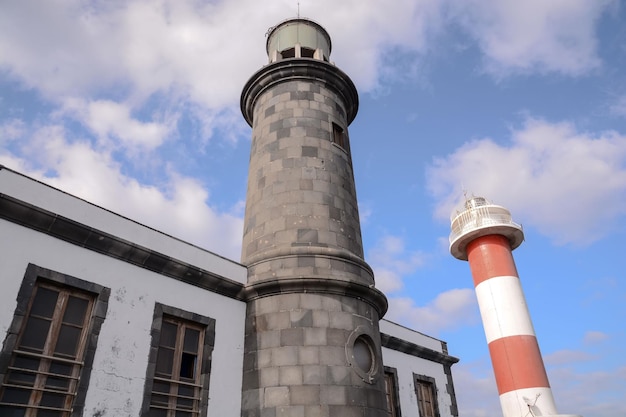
(117, 380)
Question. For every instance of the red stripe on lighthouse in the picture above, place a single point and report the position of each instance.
(490, 256)
(517, 363)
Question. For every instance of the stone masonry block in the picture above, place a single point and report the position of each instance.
(339, 375)
(332, 355)
(290, 375)
(268, 339)
(264, 358)
(304, 395)
(278, 320)
(289, 302)
(336, 337)
(341, 320)
(290, 411)
(311, 301)
(316, 410)
(314, 375)
(320, 318)
(314, 337)
(330, 303)
(301, 318)
(308, 355)
(286, 355)
(333, 395)
(276, 396)
(268, 377)
(291, 337)
(357, 396)
(344, 411)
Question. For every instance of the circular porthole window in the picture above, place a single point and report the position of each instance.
(361, 355)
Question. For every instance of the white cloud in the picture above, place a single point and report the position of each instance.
(10, 130)
(618, 107)
(180, 206)
(594, 393)
(567, 356)
(534, 35)
(110, 120)
(449, 310)
(205, 51)
(595, 337)
(391, 262)
(570, 185)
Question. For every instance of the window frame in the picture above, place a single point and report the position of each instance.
(430, 383)
(391, 374)
(37, 277)
(164, 313)
(339, 136)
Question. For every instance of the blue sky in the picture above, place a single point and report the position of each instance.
(134, 106)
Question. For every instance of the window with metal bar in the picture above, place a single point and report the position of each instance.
(426, 396)
(45, 365)
(176, 389)
(391, 391)
(177, 382)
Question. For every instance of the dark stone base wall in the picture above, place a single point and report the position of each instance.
(297, 359)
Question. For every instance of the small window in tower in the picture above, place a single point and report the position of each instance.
(340, 137)
(307, 52)
(289, 53)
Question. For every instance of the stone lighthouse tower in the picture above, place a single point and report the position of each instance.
(312, 337)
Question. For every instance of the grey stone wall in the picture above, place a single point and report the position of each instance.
(312, 343)
(301, 188)
(297, 364)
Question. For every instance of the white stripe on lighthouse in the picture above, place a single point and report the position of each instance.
(503, 308)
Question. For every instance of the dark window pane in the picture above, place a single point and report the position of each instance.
(44, 303)
(185, 403)
(161, 400)
(16, 395)
(21, 378)
(156, 412)
(168, 334)
(35, 334)
(191, 340)
(75, 311)
(183, 414)
(12, 411)
(49, 399)
(307, 52)
(26, 363)
(49, 413)
(160, 386)
(68, 340)
(165, 359)
(289, 53)
(61, 384)
(61, 368)
(186, 391)
(188, 365)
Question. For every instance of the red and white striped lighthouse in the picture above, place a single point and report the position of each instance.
(485, 235)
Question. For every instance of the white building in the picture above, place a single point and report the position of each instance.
(116, 280)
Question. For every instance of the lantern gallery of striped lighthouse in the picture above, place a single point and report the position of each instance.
(485, 235)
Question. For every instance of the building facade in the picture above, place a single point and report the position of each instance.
(102, 316)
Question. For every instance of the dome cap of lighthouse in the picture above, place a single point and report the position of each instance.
(298, 38)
